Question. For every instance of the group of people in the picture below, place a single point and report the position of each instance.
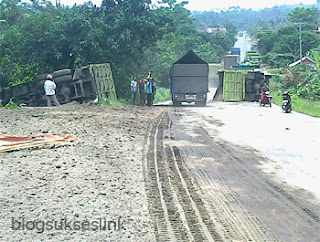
(146, 89)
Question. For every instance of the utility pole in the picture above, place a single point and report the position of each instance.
(300, 39)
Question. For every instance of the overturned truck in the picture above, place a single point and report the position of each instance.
(81, 85)
(239, 85)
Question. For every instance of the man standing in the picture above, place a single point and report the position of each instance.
(149, 92)
(133, 88)
(50, 88)
(142, 92)
(154, 89)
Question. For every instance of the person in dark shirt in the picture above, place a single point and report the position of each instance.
(142, 91)
(36, 99)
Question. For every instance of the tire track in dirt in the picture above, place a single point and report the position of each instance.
(177, 213)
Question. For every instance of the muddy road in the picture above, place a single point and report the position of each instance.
(202, 187)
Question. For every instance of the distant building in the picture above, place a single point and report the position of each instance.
(216, 30)
(316, 31)
(305, 60)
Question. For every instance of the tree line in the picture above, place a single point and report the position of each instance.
(277, 34)
(280, 47)
(133, 35)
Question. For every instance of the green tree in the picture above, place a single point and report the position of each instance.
(304, 15)
(38, 38)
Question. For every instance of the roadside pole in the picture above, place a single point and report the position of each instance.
(300, 39)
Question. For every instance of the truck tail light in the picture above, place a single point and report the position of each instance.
(203, 96)
(177, 96)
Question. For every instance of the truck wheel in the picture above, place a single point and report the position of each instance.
(63, 78)
(41, 77)
(200, 103)
(63, 72)
(176, 103)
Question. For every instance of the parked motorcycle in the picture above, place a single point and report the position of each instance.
(265, 99)
(286, 102)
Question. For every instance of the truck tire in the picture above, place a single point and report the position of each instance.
(63, 72)
(62, 78)
(201, 103)
(41, 77)
(176, 103)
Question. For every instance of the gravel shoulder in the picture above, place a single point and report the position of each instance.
(99, 180)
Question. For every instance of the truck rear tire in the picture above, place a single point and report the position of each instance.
(201, 103)
(176, 103)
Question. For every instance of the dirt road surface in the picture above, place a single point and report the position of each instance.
(170, 174)
(211, 176)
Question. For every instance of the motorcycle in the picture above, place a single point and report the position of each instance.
(286, 102)
(265, 99)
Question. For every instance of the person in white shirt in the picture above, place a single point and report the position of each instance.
(50, 90)
(134, 89)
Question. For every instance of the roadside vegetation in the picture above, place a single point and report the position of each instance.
(304, 95)
(280, 47)
(300, 105)
(163, 94)
(37, 37)
(11, 105)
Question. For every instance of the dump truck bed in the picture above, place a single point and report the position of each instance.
(189, 78)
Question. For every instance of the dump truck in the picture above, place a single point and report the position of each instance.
(81, 85)
(189, 80)
(253, 58)
(239, 85)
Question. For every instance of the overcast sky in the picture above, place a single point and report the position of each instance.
(206, 5)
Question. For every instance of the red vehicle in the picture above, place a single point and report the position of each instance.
(265, 99)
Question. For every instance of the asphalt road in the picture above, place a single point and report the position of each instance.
(244, 43)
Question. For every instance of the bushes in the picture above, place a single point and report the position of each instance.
(303, 82)
(163, 94)
(11, 105)
(278, 60)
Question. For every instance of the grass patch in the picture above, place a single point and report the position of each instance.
(163, 94)
(299, 104)
(119, 102)
(12, 105)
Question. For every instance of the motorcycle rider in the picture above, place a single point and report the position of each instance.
(263, 94)
(286, 102)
